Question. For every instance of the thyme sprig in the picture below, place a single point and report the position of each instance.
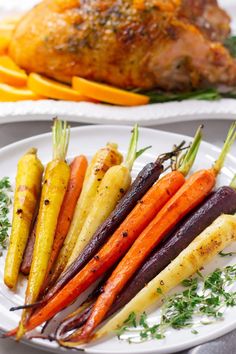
(5, 202)
(205, 298)
(227, 254)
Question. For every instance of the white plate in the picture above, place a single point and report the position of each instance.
(101, 113)
(87, 140)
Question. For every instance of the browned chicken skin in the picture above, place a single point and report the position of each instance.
(169, 44)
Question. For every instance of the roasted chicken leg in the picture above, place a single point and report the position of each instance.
(169, 44)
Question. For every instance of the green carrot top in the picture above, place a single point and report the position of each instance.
(233, 182)
(186, 162)
(231, 136)
(133, 154)
(60, 137)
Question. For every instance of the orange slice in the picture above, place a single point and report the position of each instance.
(107, 93)
(53, 89)
(13, 20)
(10, 73)
(13, 94)
(8, 63)
(6, 30)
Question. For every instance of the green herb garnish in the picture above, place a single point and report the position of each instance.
(229, 254)
(5, 202)
(205, 298)
(211, 94)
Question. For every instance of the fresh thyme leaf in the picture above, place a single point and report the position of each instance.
(204, 297)
(229, 254)
(230, 43)
(131, 320)
(143, 320)
(5, 202)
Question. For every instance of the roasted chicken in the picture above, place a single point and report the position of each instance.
(169, 44)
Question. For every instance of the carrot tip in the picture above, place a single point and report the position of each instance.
(22, 307)
(69, 345)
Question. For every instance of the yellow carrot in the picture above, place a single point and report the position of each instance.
(54, 187)
(27, 191)
(114, 184)
(101, 162)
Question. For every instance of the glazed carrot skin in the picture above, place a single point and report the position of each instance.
(28, 255)
(27, 191)
(103, 159)
(145, 179)
(193, 192)
(114, 249)
(78, 169)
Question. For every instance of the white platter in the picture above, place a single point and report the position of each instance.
(87, 140)
(105, 114)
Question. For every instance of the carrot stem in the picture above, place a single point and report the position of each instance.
(61, 137)
(227, 145)
(191, 154)
(233, 182)
(133, 154)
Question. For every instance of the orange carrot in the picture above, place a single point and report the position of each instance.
(193, 192)
(78, 169)
(114, 249)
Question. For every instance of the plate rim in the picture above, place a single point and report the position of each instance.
(147, 115)
(177, 347)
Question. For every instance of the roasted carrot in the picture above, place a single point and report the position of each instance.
(28, 254)
(103, 159)
(54, 187)
(113, 250)
(191, 194)
(149, 174)
(120, 241)
(114, 185)
(217, 236)
(78, 169)
(27, 191)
